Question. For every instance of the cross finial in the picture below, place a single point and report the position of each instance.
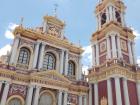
(55, 9)
(21, 21)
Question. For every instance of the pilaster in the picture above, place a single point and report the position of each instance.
(41, 56)
(96, 98)
(5, 94)
(59, 97)
(125, 89)
(14, 50)
(118, 91)
(109, 90)
(36, 96)
(29, 95)
(36, 54)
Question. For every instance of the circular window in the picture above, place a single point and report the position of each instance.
(46, 99)
(15, 101)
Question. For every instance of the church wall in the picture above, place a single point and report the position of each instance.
(102, 90)
(132, 93)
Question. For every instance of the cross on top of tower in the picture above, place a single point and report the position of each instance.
(55, 9)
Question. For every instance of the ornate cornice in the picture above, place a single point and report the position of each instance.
(49, 79)
(105, 72)
(35, 35)
(113, 26)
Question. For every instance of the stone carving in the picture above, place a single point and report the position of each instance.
(103, 101)
(17, 90)
(103, 46)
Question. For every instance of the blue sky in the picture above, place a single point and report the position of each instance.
(78, 15)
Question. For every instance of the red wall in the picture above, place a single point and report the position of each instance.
(132, 93)
(113, 91)
(102, 90)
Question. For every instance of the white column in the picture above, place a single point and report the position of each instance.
(130, 52)
(138, 91)
(90, 94)
(109, 90)
(125, 89)
(107, 13)
(5, 94)
(133, 53)
(36, 96)
(79, 72)
(14, 50)
(65, 98)
(59, 97)
(97, 54)
(108, 48)
(122, 18)
(29, 95)
(119, 47)
(62, 62)
(93, 55)
(114, 16)
(36, 54)
(1, 85)
(118, 91)
(111, 13)
(80, 100)
(96, 98)
(99, 21)
(66, 63)
(114, 51)
(41, 56)
(85, 100)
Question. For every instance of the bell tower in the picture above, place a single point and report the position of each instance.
(113, 39)
(114, 77)
(110, 11)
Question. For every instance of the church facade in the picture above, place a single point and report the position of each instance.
(115, 77)
(44, 67)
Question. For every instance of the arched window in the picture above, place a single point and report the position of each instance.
(71, 68)
(24, 56)
(46, 99)
(118, 17)
(15, 101)
(103, 18)
(49, 61)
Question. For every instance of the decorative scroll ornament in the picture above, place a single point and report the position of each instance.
(103, 101)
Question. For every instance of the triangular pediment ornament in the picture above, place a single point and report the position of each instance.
(51, 74)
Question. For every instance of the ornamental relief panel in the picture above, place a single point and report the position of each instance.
(54, 30)
(73, 57)
(72, 98)
(103, 46)
(16, 89)
(27, 42)
(124, 46)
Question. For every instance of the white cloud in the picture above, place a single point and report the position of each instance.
(8, 32)
(136, 33)
(138, 60)
(87, 58)
(5, 49)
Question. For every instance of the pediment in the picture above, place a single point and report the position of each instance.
(51, 74)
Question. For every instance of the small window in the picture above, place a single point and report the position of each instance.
(103, 18)
(49, 61)
(118, 17)
(71, 68)
(24, 56)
